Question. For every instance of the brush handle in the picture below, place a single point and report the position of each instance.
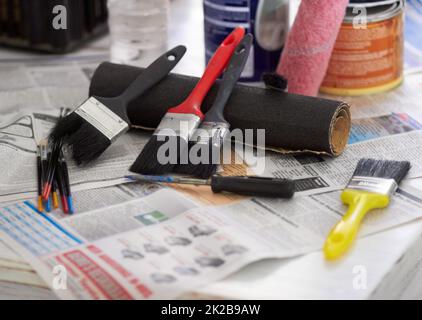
(344, 232)
(231, 76)
(254, 186)
(153, 74)
(219, 61)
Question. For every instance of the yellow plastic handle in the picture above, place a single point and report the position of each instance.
(344, 232)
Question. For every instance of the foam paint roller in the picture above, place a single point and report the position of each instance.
(309, 45)
(292, 122)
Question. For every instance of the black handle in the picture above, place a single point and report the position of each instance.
(231, 76)
(155, 72)
(254, 186)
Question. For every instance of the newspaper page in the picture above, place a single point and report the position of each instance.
(147, 248)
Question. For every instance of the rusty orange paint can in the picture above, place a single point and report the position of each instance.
(367, 57)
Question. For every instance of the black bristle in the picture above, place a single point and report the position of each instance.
(147, 161)
(200, 170)
(66, 126)
(386, 169)
(87, 143)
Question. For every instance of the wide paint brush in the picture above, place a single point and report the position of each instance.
(169, 144)
(208, 139)
(372, 185)
(91, 128)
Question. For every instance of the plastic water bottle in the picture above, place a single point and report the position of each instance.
(138, 29)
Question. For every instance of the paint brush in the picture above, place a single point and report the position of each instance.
(247, 186)
(179, 123)
(371, 187)
(52, 166)
(39, 181)
(54, 195)
(61, 186)
(91, 128)
(65, 174)
(208, 139)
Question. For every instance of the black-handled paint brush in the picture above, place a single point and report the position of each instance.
(207, 140)
(246, 186)
(168, 145)
(371, 187)
(91, 128)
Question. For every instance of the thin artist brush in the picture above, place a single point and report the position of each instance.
(39, 180)
(65, 173)
(52, 165)
(180, 122)
(61, 186)
(53, 158)
(54, 194)
(208, 139)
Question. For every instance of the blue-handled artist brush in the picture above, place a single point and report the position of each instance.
(179, 123)
(208, 139)
(39, 181)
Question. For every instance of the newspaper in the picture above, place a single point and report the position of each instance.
(148, 248)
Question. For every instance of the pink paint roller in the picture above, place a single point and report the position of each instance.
(311, 40)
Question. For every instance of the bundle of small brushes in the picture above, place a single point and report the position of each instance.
(53, 177)
(92, 127)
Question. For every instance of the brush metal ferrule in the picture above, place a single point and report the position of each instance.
(216, 132)
(102, 118)
(373, 184)
(178, 125)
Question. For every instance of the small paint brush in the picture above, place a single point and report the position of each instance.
(208, 139)
(65, 174)
(371, 187)
(52, 166)
(247, 186)
(91, 128)
(39, 181)
(54, 195)
(62, 189)
(179, 123)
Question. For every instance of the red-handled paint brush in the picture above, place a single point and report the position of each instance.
(169, 144)
(208, 139)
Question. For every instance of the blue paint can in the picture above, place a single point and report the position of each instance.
(267, 20)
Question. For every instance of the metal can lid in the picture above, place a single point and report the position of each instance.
(375, 11)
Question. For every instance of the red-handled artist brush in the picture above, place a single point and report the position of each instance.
(179, 123)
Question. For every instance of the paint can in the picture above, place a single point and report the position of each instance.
(267, 20)
(368, 54)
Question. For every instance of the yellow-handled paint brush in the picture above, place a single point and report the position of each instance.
(372, 185)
